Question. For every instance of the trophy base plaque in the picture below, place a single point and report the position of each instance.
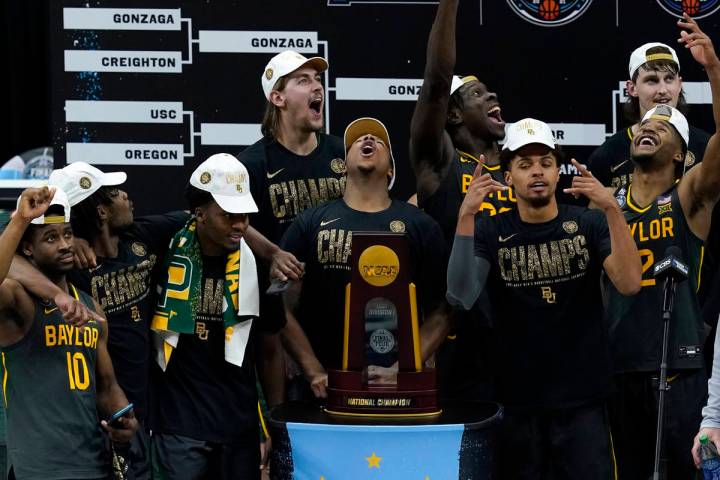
(414, 395)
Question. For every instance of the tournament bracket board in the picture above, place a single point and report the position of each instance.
(155, 89)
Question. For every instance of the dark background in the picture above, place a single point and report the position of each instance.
(559, 74)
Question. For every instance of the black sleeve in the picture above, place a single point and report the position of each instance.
(482, 249)
(155, 231)
(297, 239)
(600, 234)
(252, 159)
(599, 164)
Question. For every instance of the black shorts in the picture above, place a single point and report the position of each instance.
(560, 444)
(176, 457)
(633, 410)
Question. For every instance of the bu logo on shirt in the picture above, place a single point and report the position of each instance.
(547, 294)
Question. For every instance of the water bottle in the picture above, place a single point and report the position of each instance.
(710, 460)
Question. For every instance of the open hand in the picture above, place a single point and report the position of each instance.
(697, 41)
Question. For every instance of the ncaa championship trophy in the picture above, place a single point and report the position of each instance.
(381, 329)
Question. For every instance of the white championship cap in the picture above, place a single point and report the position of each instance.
(80, 180)
(673, 117)
(640, 56)
(227, 180)
(59, 198)
(458, 82)
(527, 131)
(284, 63)
(373, 126)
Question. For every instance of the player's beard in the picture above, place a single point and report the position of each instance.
(539, 202)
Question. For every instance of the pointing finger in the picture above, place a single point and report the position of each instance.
(581, 168)
(478, 169)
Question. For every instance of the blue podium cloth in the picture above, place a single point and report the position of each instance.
(335, 452)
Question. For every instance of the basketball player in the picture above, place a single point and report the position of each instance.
(58, 378)
(205, 424)
(654, 80)
(663, 211)
(456, 125)
(322, 238)
(293, 167)
(541, 264)
(121, 281)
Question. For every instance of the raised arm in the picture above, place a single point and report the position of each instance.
(623, 265)
(699, 189)
(467, 273)
(74, 311)
(33, 203)
(429, 152)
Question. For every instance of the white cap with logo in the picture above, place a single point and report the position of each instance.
(59, 198)
(227, 180)
(366, 125)
(640, 56)
(80, 180)
(527, 131)
(284, 63)
(673, 117)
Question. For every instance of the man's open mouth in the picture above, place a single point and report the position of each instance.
(495, 114)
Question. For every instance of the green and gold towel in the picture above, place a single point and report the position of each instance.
(180, 292)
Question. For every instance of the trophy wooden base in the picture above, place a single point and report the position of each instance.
(414, 395)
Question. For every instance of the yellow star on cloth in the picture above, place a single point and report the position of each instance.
(373, 461)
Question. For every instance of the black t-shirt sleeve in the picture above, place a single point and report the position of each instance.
(599, 164)
(482, 249)
(253, 159)
(296, 239)
(155, 231)
(599, 233)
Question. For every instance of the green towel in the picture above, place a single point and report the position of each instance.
(180, 292)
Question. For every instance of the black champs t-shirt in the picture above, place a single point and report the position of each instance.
(322, 238)
(544, 286)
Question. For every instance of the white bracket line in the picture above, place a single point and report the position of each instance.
(192, 133)
(190, 40)
(326, 52)
(615, 100)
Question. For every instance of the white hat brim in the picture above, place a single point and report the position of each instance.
(113, 178)
(236, 203)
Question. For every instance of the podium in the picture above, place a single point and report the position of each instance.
(381, 329)
(460, 443)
